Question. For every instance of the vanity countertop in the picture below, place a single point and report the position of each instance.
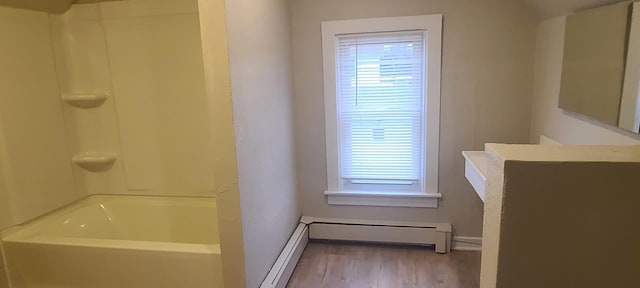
(475, 169)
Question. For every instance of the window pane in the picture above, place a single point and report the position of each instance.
(380, 98)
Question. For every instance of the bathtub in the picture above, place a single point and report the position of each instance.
(118, 241)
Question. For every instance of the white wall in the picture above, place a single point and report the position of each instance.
(486, 96)
(547, 119)
(225, 169)
(155, 55)
(259, 50)
(34, 161)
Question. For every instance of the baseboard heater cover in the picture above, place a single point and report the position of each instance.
(281, 271)
(417, 233)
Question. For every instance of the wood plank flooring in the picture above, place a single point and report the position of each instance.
(336, 265)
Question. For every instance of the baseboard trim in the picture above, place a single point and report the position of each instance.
(460, 243)
(281, 271)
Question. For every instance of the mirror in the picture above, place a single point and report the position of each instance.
(630, 103)
(601, 68)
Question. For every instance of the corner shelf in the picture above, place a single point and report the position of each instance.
(85, 100)
(95, 161)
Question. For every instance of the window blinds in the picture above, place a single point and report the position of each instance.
(380, 88)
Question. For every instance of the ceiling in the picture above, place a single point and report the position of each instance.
(552, 8)
(544, 8)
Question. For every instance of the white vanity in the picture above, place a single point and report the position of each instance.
(475, 169)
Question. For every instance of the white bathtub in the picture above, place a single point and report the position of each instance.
(119, 241)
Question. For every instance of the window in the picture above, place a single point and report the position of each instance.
(382, 103)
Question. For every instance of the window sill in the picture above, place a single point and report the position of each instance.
(383, 199)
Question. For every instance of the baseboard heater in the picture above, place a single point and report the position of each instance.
(416, 233)
(281, 271)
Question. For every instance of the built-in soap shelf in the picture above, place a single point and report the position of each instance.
(95, 161)
(475, 169)
(85, 100)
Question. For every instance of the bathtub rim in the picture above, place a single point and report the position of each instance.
(115, 244)
(27, 231)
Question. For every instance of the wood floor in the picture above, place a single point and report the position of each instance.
(335, 265)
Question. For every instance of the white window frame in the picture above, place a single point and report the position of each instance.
(431, 127)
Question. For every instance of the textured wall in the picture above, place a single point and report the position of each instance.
(260, 60)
